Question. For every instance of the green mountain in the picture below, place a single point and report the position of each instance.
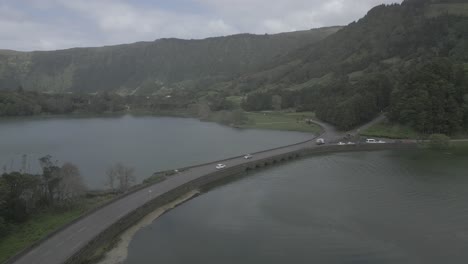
(146, 67)
(409, 60)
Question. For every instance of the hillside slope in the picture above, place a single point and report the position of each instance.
(374, 65)
(148, 66)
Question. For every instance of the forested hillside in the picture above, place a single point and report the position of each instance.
(147, 67)
(409, 59)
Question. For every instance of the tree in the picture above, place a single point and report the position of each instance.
(111, 178)
(276, 102)
(19, 195)
(203, 110)
(122, 175)
(439, 142)
(51, 177)
(3, 227)
(71, 184)
(238, 117)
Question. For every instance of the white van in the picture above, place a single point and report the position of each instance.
(371, 141)
(320, 141)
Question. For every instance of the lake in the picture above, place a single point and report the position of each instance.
(146, 143)
(366, 207)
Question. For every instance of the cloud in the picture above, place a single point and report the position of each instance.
(53, 24)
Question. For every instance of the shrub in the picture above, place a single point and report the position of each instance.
(439, 141)
(3, 227)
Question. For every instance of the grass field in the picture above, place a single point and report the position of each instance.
(389, 130)
(281, 121)
(40, 225)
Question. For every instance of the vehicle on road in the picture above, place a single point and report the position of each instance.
(371, 141)
(341, 143)
(248, 156)
(381, 142)
(220, 166)
(320, 141)
(351, 143)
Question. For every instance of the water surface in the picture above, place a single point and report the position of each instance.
(374, 207)
(148, 144)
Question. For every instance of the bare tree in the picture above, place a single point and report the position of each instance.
(50, 176)
(111, 177)
(122, 175)
(71, 183)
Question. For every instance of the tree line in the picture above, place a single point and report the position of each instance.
(58, 187)
(23, 194)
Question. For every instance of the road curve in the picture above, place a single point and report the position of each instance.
(67, 242)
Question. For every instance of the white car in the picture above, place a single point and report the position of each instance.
(248, 156)
(320, 141)
(341, 144)
(220, 166)
(371, 141)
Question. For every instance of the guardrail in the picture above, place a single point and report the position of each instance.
(129, 192)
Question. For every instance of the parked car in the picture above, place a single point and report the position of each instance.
(248, 156)
(341, 143)
(220, 166)
(320, 141)
(371, 141)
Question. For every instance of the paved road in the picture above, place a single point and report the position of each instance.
(67, 242)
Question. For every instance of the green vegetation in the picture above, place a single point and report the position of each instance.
(145, 68)
(439, 142)
(394, 59)
(390, 130)
(25, 234)
(409, 60)
(32, 206)
(282, 121)
(440, 9)
(459, 147)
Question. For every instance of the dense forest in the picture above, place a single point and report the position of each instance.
(405, 59)
(409, 61)
(148, 67)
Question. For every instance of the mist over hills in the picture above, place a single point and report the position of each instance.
(408, 60)
(145, 67)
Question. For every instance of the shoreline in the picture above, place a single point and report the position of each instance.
(119, 253)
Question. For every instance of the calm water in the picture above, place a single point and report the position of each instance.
(148, 144)
(376, 207)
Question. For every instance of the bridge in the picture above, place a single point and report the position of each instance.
(78, 240)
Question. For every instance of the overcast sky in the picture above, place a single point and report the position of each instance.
(58, 24)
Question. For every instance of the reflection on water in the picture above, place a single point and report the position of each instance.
(148, 144)
(375, 207)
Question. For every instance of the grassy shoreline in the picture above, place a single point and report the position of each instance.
(24, 235)
(281, 121)
(40, 225)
